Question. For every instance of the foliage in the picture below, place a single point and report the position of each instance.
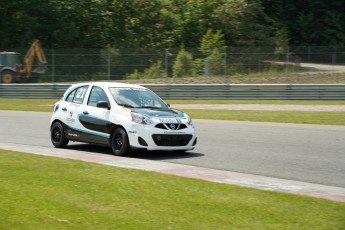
(169, 23)
(152, 26)
(184, 65)
(212, 40)
(154, 71)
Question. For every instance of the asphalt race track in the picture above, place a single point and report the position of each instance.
(309, 153)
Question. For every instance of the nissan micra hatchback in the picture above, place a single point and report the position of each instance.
(122, 116)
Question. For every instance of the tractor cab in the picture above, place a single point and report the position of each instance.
(9, 65)
(11, 59)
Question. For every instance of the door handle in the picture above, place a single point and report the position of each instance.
(64, 109)
(85, 112)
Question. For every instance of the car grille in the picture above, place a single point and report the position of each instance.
(171, 139)
(173, 126)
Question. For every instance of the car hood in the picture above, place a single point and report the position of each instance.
(151, 112)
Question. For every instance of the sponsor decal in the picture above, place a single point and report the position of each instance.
(132, 132)
(138, 125)
(56, 108)
(168, 120)
(70, 119)
(73, 134)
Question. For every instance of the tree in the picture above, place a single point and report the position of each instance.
(212, 46)
(306, 22)
(243, 22)
(183, 65)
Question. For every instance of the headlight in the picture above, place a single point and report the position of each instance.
(140, 119)
(190, 122)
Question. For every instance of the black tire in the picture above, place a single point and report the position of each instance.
(57, 135)
(119, 142)
(7, 76)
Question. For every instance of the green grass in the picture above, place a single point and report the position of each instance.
(278, 102)
(46, 105)
(299, 117)
(39, 192)
(38, 105)
(302, 117)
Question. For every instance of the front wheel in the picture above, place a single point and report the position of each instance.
(57, 135)
(119, 142)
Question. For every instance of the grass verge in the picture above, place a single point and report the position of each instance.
(301, 117)
(298, 117)
(37, 105)
(272, 102)
(41, 192)
(46, 105)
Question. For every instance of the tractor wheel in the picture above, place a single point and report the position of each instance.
(7, 76)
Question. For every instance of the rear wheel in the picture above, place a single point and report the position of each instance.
(57, 135)
(119, 142)
(7, 76)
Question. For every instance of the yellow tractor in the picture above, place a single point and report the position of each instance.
(12, 70)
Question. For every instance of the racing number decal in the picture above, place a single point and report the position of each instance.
(81, 93)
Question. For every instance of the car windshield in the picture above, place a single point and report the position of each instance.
(137, 98)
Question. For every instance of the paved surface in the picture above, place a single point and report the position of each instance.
(309, 153)
(312, 67)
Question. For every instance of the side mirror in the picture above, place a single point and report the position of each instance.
(103, 104)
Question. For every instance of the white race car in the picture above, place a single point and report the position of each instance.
(122, 116)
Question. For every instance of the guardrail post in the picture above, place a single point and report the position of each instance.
(53, 66)
(109, 64)
(225, 66)
(287, 59)
(207, 67)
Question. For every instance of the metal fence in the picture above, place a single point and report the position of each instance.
(71, 65)
(199, 91)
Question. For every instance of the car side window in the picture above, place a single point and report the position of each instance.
(77, 95)
(71, 96)
(97, 94)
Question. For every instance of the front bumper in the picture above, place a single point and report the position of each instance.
(152, 138)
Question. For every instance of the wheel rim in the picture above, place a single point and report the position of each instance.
(7, 78)
(118, 141)
(56, 134)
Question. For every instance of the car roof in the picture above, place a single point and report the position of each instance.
(108, 84)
